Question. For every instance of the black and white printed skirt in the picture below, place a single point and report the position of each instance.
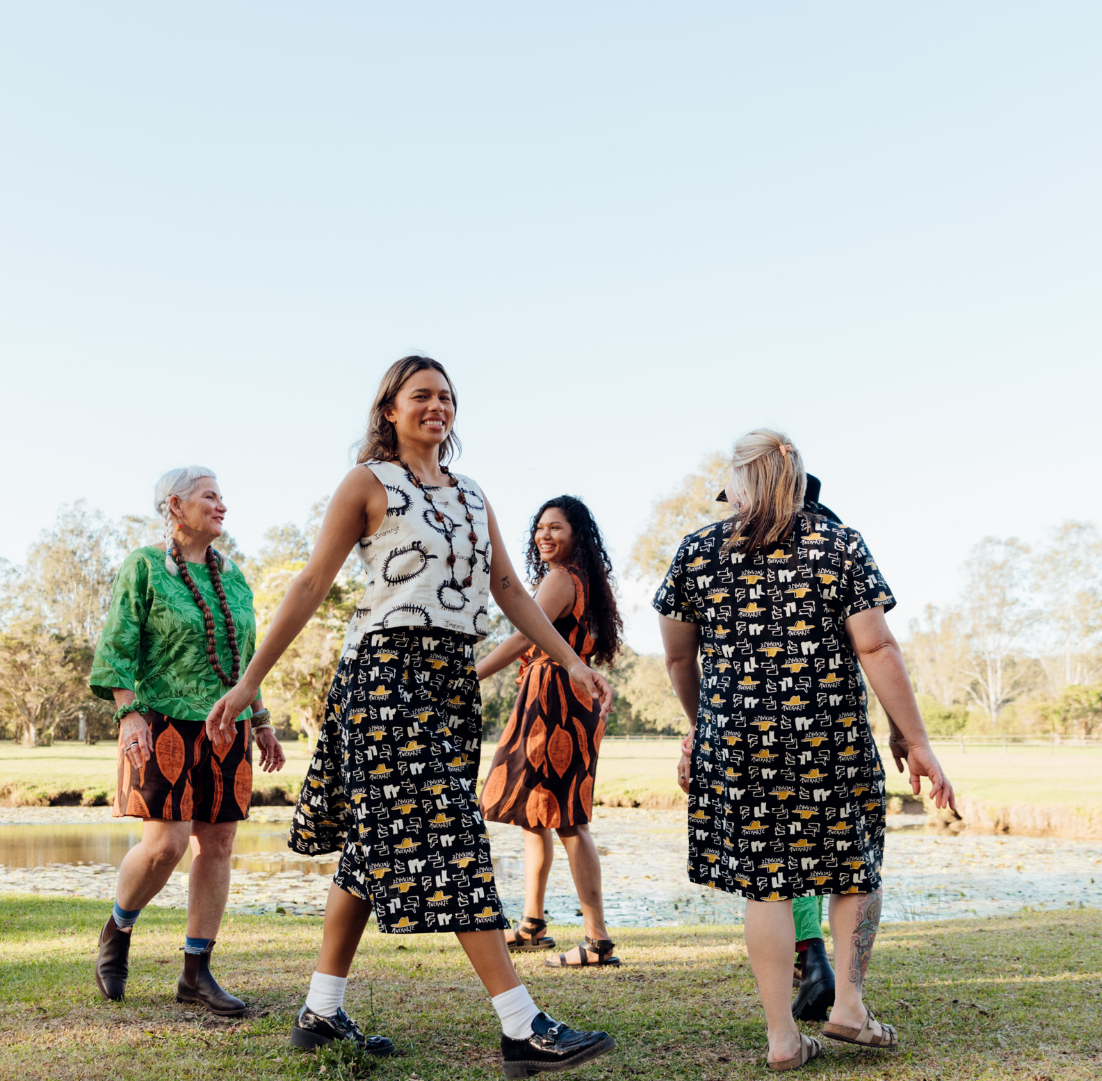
(392, 784)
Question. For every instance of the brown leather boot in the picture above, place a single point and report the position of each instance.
(198, 985)
(112, 964)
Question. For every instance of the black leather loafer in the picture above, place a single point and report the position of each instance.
(113, 964)
(552, 1046)
(197, 984)
(312, 1030)
(816, 993)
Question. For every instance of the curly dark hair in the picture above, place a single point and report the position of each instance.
(591, 558)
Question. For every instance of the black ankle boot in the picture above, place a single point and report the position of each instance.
(552, 1046)
(816, 994)
(198, 985)
(113, 962)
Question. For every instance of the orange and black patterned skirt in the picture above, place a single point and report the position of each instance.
(188, 778)
(546, 762)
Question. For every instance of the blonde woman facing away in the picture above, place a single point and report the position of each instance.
(765, 618)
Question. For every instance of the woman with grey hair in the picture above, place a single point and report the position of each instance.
(179, 632)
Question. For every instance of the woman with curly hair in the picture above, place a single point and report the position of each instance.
(542, 775)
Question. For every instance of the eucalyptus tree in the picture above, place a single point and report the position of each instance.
(688, 507)
(1068, 572)
(997, 617)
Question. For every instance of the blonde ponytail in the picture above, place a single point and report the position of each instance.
(770, 474)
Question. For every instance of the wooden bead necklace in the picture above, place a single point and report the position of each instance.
(449, 533)
(208, 618)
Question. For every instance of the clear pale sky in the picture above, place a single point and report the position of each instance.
(631, 231)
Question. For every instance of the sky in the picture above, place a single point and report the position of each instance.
(631, 232)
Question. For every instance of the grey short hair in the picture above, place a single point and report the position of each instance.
(177, 482)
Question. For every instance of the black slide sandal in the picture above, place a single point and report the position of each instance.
(603, 947)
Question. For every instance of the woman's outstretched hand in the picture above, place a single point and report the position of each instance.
(223, 716)
(923, 763)
(271, 753)
(594, 684)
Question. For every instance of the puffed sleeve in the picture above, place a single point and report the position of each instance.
(863, 585)
(673, 599)
(119, 648)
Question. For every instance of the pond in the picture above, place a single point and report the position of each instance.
(928, 874)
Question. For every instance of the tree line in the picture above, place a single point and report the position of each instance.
(1019, 652)
(53, 606)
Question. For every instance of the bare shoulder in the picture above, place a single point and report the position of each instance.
(557, 589)
(359, 487)
(559, 578)
(360, 478)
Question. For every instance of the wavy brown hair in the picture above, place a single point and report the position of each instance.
(772, 480)
(591, 558)
(380, 442)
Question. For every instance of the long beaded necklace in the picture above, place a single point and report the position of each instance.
(208, 618)
(449, 531)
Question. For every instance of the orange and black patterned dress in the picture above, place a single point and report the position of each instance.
(543, 771)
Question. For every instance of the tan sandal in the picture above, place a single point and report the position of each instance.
(887, 1039)
(809, 1048)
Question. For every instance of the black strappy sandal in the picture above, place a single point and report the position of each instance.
(524, 936)
(603, 947)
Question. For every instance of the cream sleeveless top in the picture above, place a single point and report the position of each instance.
(409, 582)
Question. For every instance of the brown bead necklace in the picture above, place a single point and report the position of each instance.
(449, 531)
(208, 618)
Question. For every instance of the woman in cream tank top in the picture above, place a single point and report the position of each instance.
(391, 785)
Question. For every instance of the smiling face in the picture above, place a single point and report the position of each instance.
(199, 514)
(423, 410)
(554, 536)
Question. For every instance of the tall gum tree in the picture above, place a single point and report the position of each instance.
(690, 506)
(997, 617)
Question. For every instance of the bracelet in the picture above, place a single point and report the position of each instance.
(133, 707)
(258, 727)
(264, 716)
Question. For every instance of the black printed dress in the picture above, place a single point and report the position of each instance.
(787, 791)
(391, 784)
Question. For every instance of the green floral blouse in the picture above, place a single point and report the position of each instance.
(154, 642)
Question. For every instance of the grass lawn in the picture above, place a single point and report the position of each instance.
(72, 772)
(1017, 998)
(1067, 776)
(631, 772)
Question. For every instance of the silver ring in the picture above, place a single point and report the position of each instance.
(134, 744)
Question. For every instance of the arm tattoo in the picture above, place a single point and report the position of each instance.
(868, 920)
(505, 583)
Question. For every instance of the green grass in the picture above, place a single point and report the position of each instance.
(70, 772)
(1068, 777)
(631, 773)
(1016, 998)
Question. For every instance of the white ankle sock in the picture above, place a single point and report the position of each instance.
(326, 993)
(516, 1010)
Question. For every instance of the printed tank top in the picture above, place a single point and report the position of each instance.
(409, 582)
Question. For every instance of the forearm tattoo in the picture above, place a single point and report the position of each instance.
(505, 583)
(868, 921)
